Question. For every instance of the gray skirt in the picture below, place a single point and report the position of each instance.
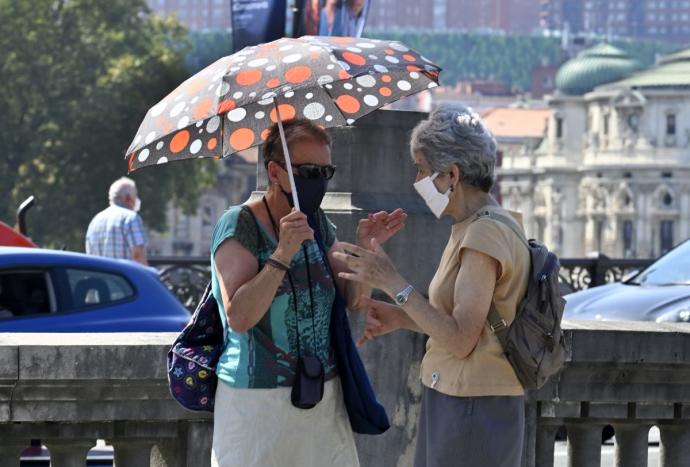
(470, 431)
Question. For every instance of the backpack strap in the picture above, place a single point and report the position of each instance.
(498, 325)
(505, 220)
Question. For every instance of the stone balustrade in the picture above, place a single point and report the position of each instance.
(628, 375)
(71, 389)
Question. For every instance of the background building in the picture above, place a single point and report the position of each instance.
(190, 235)
(514, 16)
(197, 15)
(612, 173)
(661, 19)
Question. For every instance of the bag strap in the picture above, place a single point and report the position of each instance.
(507, 221)
(498, 325)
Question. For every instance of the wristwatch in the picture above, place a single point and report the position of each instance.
(402, 297)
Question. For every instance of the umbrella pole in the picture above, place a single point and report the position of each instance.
(288, 162)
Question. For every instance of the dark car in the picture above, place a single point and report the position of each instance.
(55, 291)
(659, 293)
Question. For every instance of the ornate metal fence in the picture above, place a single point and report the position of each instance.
(582, 273)
(187, 277)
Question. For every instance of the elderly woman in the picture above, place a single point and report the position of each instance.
(271, 275)
(472, 403)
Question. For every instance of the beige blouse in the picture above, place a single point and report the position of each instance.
(486, 371)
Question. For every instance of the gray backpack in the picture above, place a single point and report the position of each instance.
(533, 343)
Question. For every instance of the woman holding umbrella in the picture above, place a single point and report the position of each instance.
(272, 278)
(472, 402)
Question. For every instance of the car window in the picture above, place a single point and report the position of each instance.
(671, 269)
(88, 288)
(25, 293)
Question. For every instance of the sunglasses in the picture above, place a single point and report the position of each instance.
(313, 170)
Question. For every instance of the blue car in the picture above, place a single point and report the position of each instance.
(55, 291)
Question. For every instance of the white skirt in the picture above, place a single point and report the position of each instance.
(261, 428)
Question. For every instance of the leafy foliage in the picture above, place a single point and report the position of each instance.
(77, 78)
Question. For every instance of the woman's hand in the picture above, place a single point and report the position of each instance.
(294, 230)
(382, 318)
(381, 226)
(372, 268)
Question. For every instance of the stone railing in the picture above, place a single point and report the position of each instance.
(71, 389)
(628, 375)
(187, 277)
(68, 390)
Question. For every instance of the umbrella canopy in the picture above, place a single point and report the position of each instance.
(231, 105)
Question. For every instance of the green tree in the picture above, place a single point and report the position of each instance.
(77, 78)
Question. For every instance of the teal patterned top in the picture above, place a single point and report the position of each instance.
(266, 355)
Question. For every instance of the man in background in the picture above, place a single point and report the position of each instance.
(118, 231)
(354, 15)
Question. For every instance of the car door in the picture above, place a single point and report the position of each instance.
(26, 293)
(63, 299)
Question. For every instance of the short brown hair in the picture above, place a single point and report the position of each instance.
(295, 130)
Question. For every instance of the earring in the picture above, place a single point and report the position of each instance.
(452, 189)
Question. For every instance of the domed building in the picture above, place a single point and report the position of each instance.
(612, 173)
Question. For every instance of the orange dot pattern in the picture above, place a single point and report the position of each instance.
(229, 106)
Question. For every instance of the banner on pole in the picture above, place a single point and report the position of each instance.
(257, 21)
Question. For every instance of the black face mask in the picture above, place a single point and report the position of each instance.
(310, 192)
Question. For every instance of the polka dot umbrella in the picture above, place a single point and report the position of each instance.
(230, 105)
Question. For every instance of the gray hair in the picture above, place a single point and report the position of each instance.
(455, 135)
(120, 188)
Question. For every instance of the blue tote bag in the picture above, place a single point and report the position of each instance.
(367, 415)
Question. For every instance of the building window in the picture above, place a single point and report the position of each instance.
(666, 236)
(541, 228)
(667, 199)
(670, 124)
(559, 127)
(600, 233)
(606, 125)
(628, 239)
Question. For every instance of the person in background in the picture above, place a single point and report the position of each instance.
(312, 13)
(330, 13)
(352, 18)
(118, 231)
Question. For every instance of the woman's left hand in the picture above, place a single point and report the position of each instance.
(370, 267)
(381, 226)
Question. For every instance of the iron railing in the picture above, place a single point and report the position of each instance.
(187, 277)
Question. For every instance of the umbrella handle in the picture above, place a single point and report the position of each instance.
(288, 162)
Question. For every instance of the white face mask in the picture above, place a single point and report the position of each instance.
(436, 201)
(137, 205)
